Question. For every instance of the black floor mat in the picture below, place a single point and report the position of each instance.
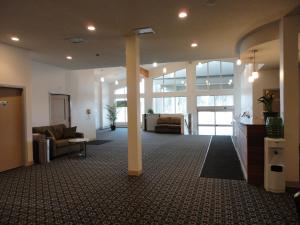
(98, 142)
(222, 160)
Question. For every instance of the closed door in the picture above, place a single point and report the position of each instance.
(59, 109)
(11, 128)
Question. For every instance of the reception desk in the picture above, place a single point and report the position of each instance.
(248, 138)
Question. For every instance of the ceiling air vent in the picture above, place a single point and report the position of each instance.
(144, 31)
(210, 2)
(76, 40)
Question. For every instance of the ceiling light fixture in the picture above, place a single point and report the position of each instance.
(154, 64)
(102, 79)
(251, 79)
(91, 28)
(255, 74)
(14, 38)
(182, 14)
(69, 57)
(116, 82)
(238, 62)
(194, 45)
(164, 70)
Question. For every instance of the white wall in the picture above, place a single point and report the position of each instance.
(15, 72)
(45, 79)
(81, 85)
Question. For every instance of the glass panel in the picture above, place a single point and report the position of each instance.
(142, 86)
(181, 105)
(142, 106)
(158, 84)
(205, 101)
(206, 118)
(121, 111)
(169, 105)
(180, 80)
(224, 131)
(201, 69)
(169, 83)
(206, 130)
(225, 100)
(214, 68)
(227, 68)
(224, 118)
(158, 105)
(121, 91)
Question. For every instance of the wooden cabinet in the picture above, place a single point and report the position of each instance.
(248, 139)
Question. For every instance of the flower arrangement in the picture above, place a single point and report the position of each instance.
(267, 101)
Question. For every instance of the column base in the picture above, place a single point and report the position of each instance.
(135, 173)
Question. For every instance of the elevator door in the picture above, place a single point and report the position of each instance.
(11, 128)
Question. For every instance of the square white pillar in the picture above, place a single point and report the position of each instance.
(289, 94)
(133, 104)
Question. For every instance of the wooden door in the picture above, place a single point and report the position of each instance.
(59, 109)
(11, 128)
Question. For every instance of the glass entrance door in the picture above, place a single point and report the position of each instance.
(215, 114)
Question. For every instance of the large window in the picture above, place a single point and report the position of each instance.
(171, 82)
(214, 75)
(215, 114)
(122, 111)
(169, 105)
(123, 90)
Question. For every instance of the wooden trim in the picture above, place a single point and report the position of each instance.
(135, 173)
(144, 72)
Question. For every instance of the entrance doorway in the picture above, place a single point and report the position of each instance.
(11, 128)
(60, 109)
(215, 115)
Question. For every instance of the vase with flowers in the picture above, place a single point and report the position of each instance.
(267, 101)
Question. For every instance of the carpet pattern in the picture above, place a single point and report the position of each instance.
(98, 142)
(222, 161)
(97, 190)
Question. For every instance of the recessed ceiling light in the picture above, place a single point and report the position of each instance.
(194, 45)
(91, 28)
(116, 82)
(182, 14)
(14, 38)
(164, 70)
(69, 57)
(102, 79)
(154, 64)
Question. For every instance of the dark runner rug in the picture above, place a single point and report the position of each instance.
(222, 160)
(98, 142)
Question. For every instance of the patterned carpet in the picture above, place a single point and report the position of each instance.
(97, 190)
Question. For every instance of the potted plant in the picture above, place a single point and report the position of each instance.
(267, 101)
(112, 115)
(150, 111)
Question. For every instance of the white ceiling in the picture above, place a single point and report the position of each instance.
(44, 25)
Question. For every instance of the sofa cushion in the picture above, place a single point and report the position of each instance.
(49, 133)
(69, 132)
(58, 131)
(163, 120)
(62, 143)
(175, 120)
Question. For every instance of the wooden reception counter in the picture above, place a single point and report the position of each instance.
(248, 138)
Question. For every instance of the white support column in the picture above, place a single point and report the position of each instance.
(191, 95)
(133, 104)
(289, 95)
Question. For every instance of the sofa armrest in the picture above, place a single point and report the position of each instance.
(79, 135)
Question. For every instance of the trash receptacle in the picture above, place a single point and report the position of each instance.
(274, 169)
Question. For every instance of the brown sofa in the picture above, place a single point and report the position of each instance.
(168, 125)
(59, 144)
